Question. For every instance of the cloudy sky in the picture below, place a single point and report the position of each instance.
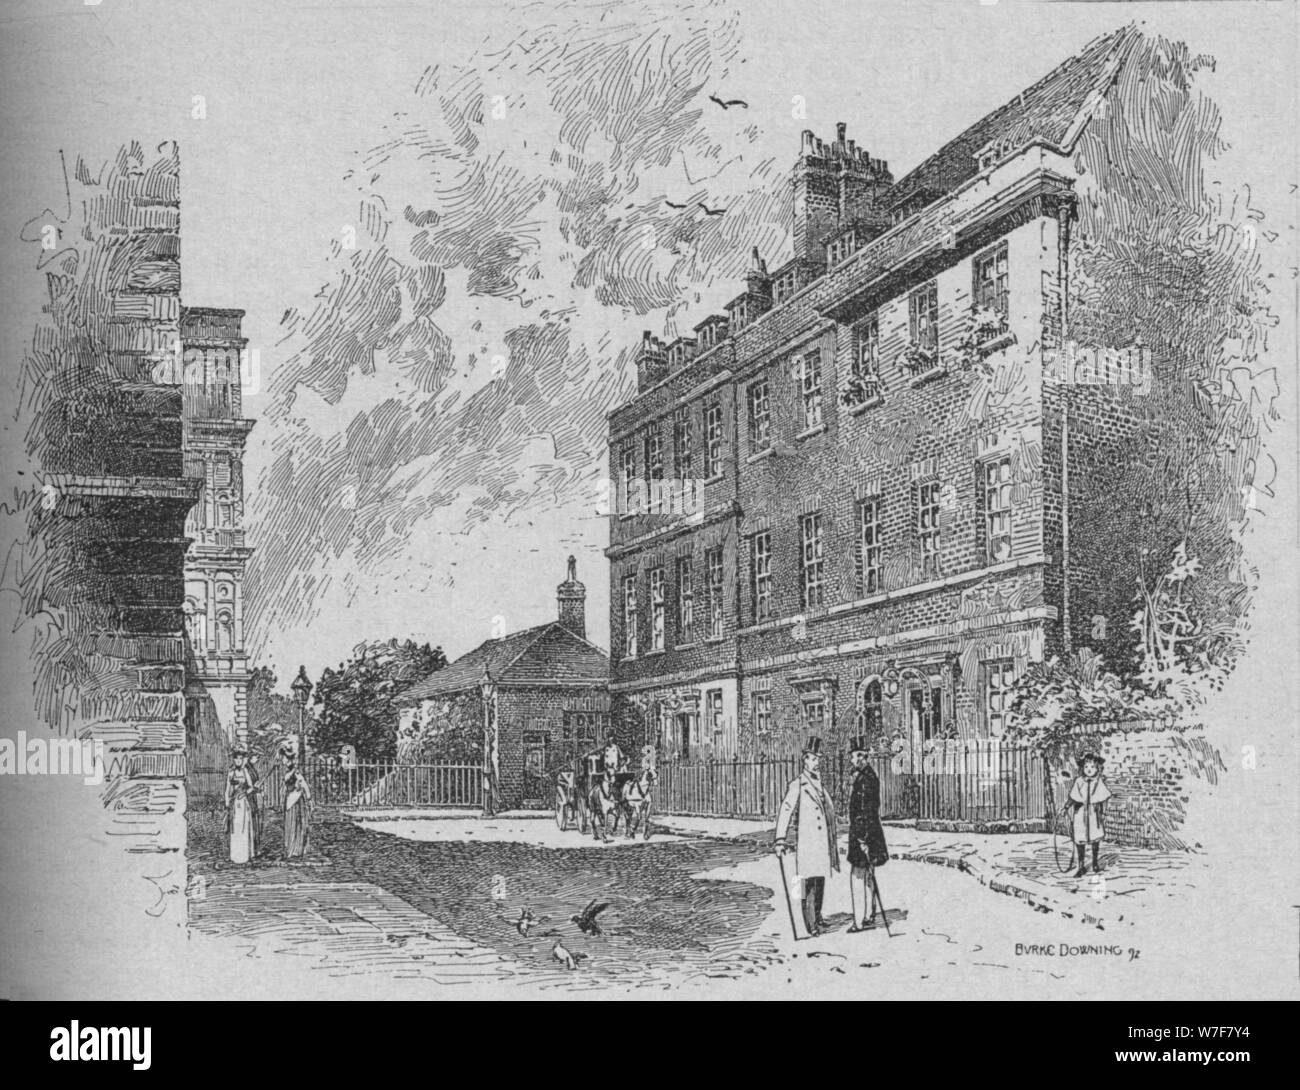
(447, 225)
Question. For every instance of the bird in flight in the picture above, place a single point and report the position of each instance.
(729, 103)
(711, 211)
(670, 204)
(587, 920)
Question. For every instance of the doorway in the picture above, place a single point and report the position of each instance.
(924, 707)
(535, 794)
(684, 736)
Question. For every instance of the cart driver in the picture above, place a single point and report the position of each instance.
(612, 761)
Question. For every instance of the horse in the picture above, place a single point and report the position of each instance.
(635, 803)
(605, 798)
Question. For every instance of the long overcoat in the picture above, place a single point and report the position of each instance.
(808, 807)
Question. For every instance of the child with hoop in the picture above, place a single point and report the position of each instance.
(1088, 794)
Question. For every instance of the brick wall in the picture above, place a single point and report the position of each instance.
(1112, 443)
(537, 709)
(1152, 771)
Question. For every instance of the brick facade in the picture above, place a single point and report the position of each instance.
(105, 554)
(906, 386)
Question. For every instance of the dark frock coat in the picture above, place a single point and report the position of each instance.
(864, 820)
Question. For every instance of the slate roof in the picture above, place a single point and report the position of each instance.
(1049, 111)
(547, 655)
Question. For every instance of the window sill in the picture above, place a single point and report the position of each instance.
(716, 639)
(863, 406)
(928, 375)
(808, 433)
(715, 479)
(766, 452)
(655, 651)
(684, 646)
(994, 344)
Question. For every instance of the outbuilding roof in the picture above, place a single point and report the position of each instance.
(547, 655)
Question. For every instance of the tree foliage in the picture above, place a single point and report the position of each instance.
(450, 732)
(1166, 256)
(272, 716)
(357, 701)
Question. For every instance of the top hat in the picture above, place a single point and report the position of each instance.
(858, 744)
(813, 745)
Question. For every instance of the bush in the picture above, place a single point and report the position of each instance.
(1054, 704)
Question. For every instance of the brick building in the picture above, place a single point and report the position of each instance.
(887, 457)
(217, 672)
(543, 693)
(105, 557)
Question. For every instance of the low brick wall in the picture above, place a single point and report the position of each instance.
(1152, 771)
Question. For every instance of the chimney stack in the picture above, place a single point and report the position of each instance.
(834, 185)
(651, 361)
(757, 281)
(572, 598)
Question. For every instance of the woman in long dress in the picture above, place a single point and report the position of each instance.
(297, 810)
(241, 807)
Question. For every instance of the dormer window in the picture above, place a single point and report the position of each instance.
(842, 248)
(784, 286)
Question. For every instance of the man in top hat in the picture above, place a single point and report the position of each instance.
(866, 836)
(808, 805)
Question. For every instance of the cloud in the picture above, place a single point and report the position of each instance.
(512, 239)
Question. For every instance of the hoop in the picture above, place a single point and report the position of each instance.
(1056, 842)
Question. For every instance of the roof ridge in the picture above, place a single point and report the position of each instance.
(1107, 49)
(540, 631)
(581, 639)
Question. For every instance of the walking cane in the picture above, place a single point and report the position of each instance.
(785, 889)
(884, 913)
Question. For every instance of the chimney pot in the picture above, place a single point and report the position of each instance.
(572, 598)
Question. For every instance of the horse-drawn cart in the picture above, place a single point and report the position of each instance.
(585, 796)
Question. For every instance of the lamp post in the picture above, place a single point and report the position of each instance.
(491, 768)
(301, 691)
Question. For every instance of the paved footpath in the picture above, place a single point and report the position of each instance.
(1021, 865)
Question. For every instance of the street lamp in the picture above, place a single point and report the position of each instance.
(301, 691)
(491, 740)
